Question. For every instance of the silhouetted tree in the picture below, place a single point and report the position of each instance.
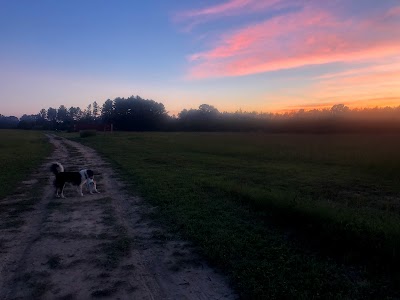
(95, 110)
(62, 114)
(42, 114)
(206, 118)
(75, 113)
(107, 111)
(27, 122)
(208, 110)
(135, 113)
(339, 109)
(51, 114)
(88, 113)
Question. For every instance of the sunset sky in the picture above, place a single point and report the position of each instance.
(262, 55)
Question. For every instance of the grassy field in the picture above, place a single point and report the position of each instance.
(285, 216)
(20, 152)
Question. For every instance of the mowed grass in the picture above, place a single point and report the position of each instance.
(20, 152)
(285, 216)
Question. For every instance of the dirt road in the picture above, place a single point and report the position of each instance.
(95, 246)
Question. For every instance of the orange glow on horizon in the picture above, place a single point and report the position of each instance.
(358, 104)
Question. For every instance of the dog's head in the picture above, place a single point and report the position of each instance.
(90, 180)
(92, 185)
(90, 175)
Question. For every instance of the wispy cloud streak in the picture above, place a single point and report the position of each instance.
(232, 7)
(193, 18)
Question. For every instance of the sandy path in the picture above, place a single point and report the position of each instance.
(96, 246)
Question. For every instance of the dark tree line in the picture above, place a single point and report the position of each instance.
(137, 114)
(8, 122)
(132, 113)
(338, 118)
(58, 119)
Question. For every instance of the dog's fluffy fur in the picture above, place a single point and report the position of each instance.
(79, 179)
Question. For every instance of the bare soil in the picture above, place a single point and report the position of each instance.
(96, 246)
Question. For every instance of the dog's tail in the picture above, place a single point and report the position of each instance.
(56, 168)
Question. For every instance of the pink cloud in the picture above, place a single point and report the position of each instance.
(268, 33)
(394, 12)
(311, 36)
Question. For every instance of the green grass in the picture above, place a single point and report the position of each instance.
(285, 216)
(20, 152)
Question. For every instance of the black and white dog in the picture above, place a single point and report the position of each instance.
(79, 179)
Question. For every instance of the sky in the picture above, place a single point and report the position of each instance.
(249, 55)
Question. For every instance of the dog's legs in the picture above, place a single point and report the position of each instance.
(58, 190)
(95, 187)
(80, 189)
(62, 191)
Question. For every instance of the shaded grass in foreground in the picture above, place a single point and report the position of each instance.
(243, 197)
(20, 152)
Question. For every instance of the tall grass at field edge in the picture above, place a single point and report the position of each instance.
(362, 234)
(21, 151)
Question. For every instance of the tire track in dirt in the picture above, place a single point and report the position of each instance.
(96, 246)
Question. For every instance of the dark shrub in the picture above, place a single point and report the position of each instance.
(87, 133)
